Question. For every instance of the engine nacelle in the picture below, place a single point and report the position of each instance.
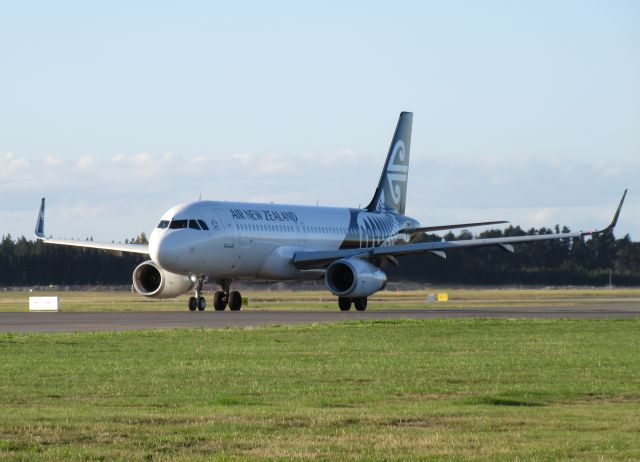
(154, 282)
(352, 277)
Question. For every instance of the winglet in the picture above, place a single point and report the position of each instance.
(614, 222)
(40, 223)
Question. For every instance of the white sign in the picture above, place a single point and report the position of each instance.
(43, 303)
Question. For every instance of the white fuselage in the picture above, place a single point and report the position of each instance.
(258, 241)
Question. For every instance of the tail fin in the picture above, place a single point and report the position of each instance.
(391, 192)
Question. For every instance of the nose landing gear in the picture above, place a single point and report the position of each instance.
(198, 302)
(221, 298)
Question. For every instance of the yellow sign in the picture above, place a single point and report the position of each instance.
(443, 297)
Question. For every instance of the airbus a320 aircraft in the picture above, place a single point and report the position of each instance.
(348, 247)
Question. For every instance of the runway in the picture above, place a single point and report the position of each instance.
(120, 321)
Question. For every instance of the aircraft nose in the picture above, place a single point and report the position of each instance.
(169, 250)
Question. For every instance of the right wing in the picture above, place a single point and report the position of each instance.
(116, 248)
(319, 259)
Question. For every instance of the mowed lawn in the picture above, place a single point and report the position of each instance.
(405, 390)
(110, 300)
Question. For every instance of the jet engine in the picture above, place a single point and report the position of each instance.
(353, 278)
(152, 281)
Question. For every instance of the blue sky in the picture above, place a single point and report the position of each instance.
(523, 111)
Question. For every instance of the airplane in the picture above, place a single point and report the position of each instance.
(348, 247)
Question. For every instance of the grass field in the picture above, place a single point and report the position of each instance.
(322, 300)
(406, 390)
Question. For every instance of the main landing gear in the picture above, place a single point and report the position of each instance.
(225, 297)
(360, 303)
(221, 298)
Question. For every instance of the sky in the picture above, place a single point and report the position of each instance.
(116, 111)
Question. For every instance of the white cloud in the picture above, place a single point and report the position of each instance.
(85, 163)
(53, 160)
(125, 194)
(242, 158)
(275, 165)
(11, 164)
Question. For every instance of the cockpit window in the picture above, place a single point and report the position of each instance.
(182, 224)
(178, 224)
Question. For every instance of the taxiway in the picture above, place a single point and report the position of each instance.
(120, 321)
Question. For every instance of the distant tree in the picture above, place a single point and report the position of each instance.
(567, 261)
(141, 239)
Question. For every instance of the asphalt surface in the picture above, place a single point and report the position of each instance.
(119, 321)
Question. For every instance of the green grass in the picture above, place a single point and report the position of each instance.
(323, 300)
(427, 390)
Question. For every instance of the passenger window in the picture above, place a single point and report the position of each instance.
(193, 224)
(203, 225)
(178, 224)
(163, 224)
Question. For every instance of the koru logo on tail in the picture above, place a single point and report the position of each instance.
(397, 171)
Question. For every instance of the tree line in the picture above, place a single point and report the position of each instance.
(30, 263)
(574, 261)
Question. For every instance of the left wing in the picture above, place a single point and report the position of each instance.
(426, 229)
(112, 247)
(319, 259)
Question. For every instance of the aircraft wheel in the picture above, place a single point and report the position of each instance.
(360, 303)
(202, 303)
(193, 303)
(344, 303)
(235, 301)
(219, 301)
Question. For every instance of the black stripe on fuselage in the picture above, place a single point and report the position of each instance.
(368, 229)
